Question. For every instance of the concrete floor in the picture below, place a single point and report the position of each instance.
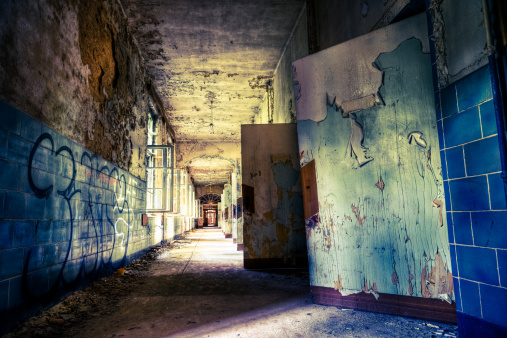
(196, 287)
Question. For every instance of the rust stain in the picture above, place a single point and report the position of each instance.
(338, 284)
(365, 287)
(380, 184)
(410, 288)
(328, 242)
(266, 244)
(424, 289)
(355, 210)
(282, 234)
(394, 278)
(269, 216)
(438, 280)
(97, 37)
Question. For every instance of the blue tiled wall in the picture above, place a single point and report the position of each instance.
(476, 203)
(475, 199)
(65, 215)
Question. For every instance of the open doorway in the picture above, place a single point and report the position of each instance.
(209, 205)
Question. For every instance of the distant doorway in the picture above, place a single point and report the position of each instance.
(209, 205)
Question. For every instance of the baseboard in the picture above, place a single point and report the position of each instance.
(407, 306)
(274, 263)
(228, 235)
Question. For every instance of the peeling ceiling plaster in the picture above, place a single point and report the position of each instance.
(210, 61)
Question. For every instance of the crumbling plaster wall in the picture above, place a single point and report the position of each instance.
(278, 103)
(74, 66)
(273, 224)
(458, 54)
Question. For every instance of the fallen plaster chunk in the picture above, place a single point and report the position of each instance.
(445, 296)
(375, 294)
(431, 325)
(348, 292)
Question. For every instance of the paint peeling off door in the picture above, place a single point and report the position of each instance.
(309, 181)
(375, 218)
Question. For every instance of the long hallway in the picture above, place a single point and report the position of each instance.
(197, 287)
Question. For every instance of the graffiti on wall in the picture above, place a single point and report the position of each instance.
(97, 216)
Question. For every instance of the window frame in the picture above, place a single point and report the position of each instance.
(167, 171)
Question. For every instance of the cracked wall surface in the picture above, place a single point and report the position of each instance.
(458, 54)
(80, 73)
(379, 178)
(353, 82)
(274, 232)
(279, 107)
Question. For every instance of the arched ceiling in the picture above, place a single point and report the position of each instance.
(210, 61)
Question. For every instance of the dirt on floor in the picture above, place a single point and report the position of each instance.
(196, 287)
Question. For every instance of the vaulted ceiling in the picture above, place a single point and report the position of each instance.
(210, 61)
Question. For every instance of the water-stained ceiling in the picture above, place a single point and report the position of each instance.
(210, 62)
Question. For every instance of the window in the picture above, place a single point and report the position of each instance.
(159, 175)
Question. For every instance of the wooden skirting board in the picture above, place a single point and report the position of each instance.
(415, 307)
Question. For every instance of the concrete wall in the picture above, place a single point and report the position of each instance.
(381, 226)
(74, 66)
(278, 104)
(477, 208)
(333, 22)
(273, 234)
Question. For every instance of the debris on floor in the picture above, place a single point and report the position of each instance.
(196, 287)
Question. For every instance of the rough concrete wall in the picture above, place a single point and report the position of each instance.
(74, 66)
(458, 54)
(67, 216)
(380, 227)
(278, 103)
(334, 22)
(270, 166)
